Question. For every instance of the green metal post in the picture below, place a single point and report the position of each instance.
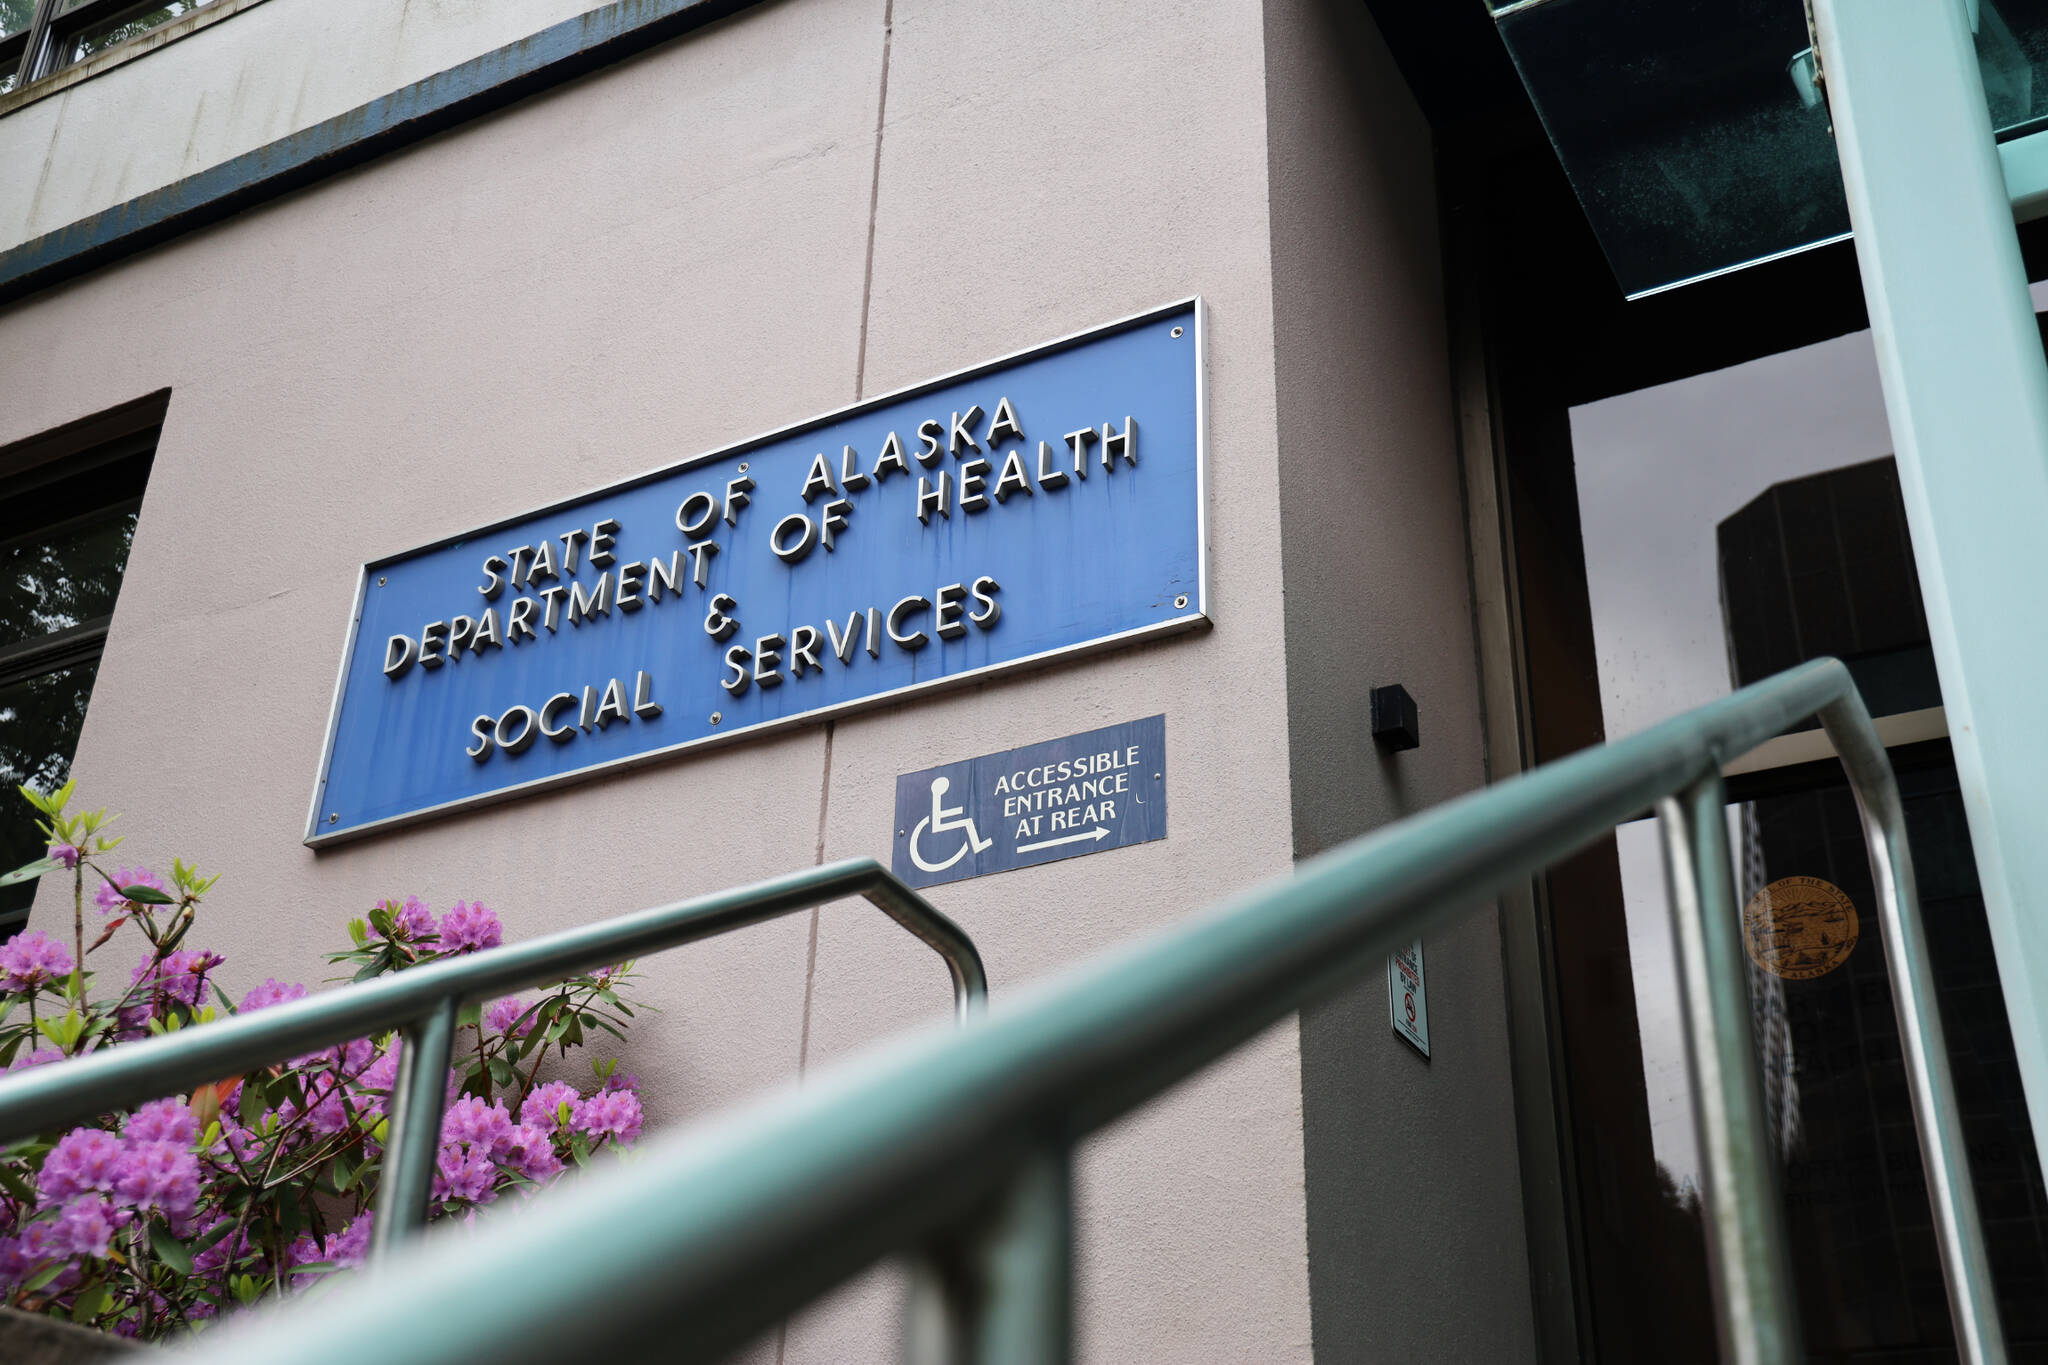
(415, 1133)
(1000, 1290)
(1951, 1195)
(1755, 1303)
(1966, 390)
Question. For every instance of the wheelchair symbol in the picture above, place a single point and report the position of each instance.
(944, 820)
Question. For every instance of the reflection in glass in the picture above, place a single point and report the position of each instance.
(1736, 524)
(1693, 142)
(53, 578)
(39, 723)
(15, 15)
(133, 24)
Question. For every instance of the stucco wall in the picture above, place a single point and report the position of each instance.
(1415, 1241)
(272, 69)
(663, 258)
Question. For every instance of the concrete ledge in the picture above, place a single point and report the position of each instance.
(32, 1339)
(557, 54)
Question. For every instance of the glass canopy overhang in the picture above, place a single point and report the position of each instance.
(1691, 130)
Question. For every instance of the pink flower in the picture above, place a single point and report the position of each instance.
(42, 1056)
(181, 976)
(272, 992)
(342, 1249)
(109, 898)
(86, 1227)
(28, 961)
(65, 855)
(503, 1014)
(611, 1113)
(411, 922)
(16, 1264)
(531, 1152)
(551, 1106)
(465, 1175)
(352, 1243)
(161, 1176)
(469, 926)
(84, 1161)
(472, 1122)
(162, 1121)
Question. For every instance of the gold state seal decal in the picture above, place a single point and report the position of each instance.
(1800, 928)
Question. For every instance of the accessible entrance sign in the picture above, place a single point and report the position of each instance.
(1045, 504)
(1086, 793)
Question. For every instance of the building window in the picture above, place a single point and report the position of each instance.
(65, 527)
(41, 37)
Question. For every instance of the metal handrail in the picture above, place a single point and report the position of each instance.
(955, 1149)
(424, 1003)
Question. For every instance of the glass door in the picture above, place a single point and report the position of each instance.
(1730, 525)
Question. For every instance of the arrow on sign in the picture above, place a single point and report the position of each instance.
(1097, 833)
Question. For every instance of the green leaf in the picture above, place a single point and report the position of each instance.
(358, 932)
(213, 1234)
(16, 1186)
(367, 972)
(146, 895)
(43, 1277)
(469, 1014)
(170, 1250)
(90, 1303)
(28, 872)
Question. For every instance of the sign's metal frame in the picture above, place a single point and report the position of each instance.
(1194, 618)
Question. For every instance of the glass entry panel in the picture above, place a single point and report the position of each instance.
(1735, 524)
(1692, 130)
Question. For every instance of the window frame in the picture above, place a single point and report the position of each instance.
(33, 53)
(116, 435)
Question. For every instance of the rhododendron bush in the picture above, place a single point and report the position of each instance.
(154, 1221)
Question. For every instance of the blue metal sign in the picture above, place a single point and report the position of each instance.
(1086, 793)
(1042, 504)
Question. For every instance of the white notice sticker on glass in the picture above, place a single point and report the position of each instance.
(1408, 997)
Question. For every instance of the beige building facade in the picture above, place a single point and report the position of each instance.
(764, 215)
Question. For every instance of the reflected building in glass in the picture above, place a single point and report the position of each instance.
(1822, 565)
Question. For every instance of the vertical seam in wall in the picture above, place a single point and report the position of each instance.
(803, 1046)
(867, 275)
(803, 1042)
(860, 379)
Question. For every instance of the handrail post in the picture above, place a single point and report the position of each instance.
(1966, 1267)
(1754, 1299)
(413, 1140)
(1000, 1290)
(941, 935)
